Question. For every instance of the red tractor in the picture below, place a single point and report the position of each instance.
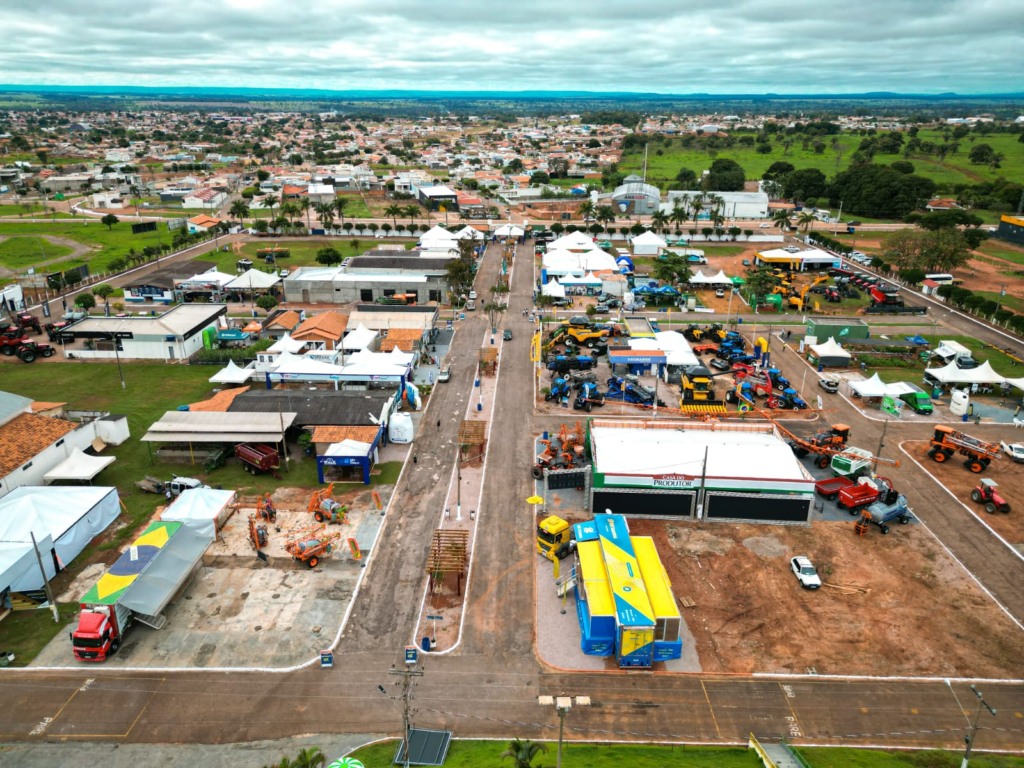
(28, 351)
(25, 322)
(986, 493)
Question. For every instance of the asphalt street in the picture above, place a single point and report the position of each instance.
(488, 686)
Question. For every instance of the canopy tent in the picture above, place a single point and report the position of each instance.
(1018, 383)
(359, 339)
(438, 237)
(286, 344)
(625, 264)
(252, 280)
(213, 277)
(830, 353)
(875, 387)
(348, 448)
(79, 466)
(203, 509)
(553, 288)
(574, 241)
(951, 374)
(64, 520)
(468, 233)
(509, 230)
(677, 348)
(562, 262)
(232, 374)
(301, 365)
(718, 279)
(648, 244)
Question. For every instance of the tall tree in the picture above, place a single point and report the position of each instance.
(523, 753)
(104, 292)
(340, 203)
(110, 220)
(673, 269)
(394, 211)
(805, 220)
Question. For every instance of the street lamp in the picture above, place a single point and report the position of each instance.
(562, 705)
(117, 356)
(969, 738)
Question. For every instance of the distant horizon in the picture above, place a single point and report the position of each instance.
(507, 93)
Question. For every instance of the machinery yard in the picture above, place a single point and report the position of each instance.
(234, 597)
(902, 605)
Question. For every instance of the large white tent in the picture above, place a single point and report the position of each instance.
(212, 277)
(951, 374)
(718, 279)
(205, 510)
(562, 262)
(252, 280)
(830, 353)
(233, 374)
(63, 519)
(574, 241)
(509, 230)
(438, 237)
(299, 365)
(79, 466)
(286, 344)
(468, 233)
(553, 288)
(359, 339)
(875, 387)
(676, 347)
(648, 244)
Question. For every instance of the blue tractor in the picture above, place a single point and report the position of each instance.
(587, 397)
(789, 398)
(559, 389)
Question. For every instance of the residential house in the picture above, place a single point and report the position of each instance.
(324, 330)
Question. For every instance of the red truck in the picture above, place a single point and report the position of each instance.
(860, 495)
(100, 630)
(832, 486)
(256, 457)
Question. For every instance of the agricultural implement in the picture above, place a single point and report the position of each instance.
(312, 545)
(325, 509)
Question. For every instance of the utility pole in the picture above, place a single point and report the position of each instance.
(407, 675)
(46, 581)
(969, 738)
(881, 440)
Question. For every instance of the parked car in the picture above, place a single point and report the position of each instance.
(764, 225)
(614, 303)
(562, 302)
(445, 374)
(746, 262)
(1014, 450)
(829, 385)
(507, 334)
(720, 293)
(805, 572)
(602, 309)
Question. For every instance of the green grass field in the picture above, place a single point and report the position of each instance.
(20, 253)
(303, 252)
(35, 210)
(1000, 250)
(665, 161)
(107, 244)
(472, 754)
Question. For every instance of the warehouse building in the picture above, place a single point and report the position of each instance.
(734, 205)
(711, 471)
(367, 280)
(634, 197)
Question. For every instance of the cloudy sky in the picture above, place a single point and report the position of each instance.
(665, 46)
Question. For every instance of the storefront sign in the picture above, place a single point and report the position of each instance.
(672, 481)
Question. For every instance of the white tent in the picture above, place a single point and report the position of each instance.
(720, 279)
(875, 387)
(468, 233)
(562, 262)
(574, 241)
(205, 510)
(509, 230)
(232, 374)
(951, 374)
(295, 365)
(553, 288)
(252, 280)
(348, 448)
(213, 276)
(359, 339)
(676, 347)
(64, 520)
(830, 353)
(1018, 383)
(438, 236)
(286, 344)
(79, 466)
(648, 244)
(587, 279)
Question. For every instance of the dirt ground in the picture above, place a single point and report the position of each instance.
(750, 614)
(988, 273)
(960, 482)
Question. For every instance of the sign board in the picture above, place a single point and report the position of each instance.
(891, 405)
(672, 481)
(448, 325)
(173, 224)
(434, 617)
(411, 654)
(327, 659)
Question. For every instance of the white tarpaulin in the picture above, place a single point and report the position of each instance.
(64, 521)
(252, 280)
(202, 509)
(951, 374)
(79, 466)
(875, 387)
(348, 448)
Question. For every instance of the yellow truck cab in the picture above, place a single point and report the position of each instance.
(552, 534)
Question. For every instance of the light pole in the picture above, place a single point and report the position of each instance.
(562, 705)
(969, 738)
(117, 356)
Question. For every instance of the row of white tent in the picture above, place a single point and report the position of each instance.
(250, 280)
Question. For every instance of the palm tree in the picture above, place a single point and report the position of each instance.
(239, 209)
(659, 219)
(781, 219)
(586, 210)
(523, 752)
(310, 757)
(394, 211)
(680, 211)
(326, 213)
(696, 206)
(805, 220)
(340, 204)
(605, 215)
(413, 212)
(303, 205)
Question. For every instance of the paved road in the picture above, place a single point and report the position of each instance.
(488, 686)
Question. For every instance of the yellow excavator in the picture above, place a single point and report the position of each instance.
(797, 302)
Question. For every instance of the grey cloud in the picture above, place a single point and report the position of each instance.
(660, 45)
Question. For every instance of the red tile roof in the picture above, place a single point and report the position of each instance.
(25, 436)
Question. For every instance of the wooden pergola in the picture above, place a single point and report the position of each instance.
(472, 439)
(488, 360)
(448, 554)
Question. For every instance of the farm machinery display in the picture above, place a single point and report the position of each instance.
(882, 513)
(325, 509)
(987, 493)
(947, 441)
(820, 444)
(563, 450)
(312, 545)
(628, 389)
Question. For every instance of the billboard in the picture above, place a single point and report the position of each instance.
(143, 226)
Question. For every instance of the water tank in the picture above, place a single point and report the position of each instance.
(959, 401)
(691, 302)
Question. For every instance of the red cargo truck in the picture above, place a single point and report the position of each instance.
(256, 457)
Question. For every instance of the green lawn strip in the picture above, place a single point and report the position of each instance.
(1000, 250)
(26, 633)
(847, 757)
(472, 754)
(1009, 301)
(303, 252)
(20, 253)
(35, 210)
